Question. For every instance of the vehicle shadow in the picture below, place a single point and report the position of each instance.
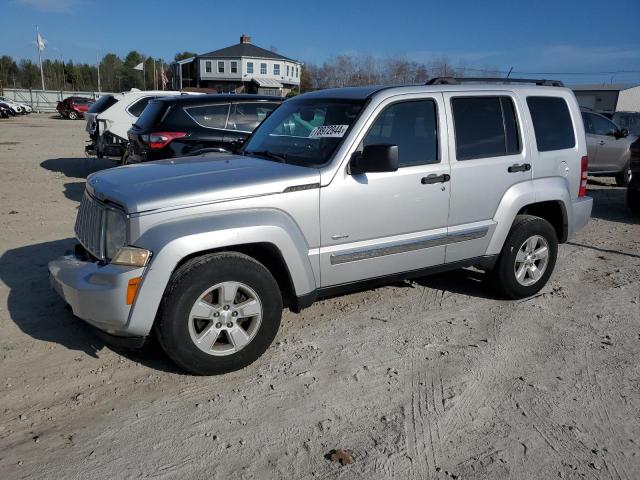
(611, 204)
(40, 313)
(78, 167)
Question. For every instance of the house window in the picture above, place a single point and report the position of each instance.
(287, 70)
(234, 67)
(276, 69)
(220, 67)
(263, 68)
(296, 72)
(207, 66)
(249, 67)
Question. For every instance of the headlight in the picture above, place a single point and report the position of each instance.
(131, 256)
(115, 233)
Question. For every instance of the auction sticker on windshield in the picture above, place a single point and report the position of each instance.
(328, 131)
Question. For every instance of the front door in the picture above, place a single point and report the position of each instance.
(375, 224)
(485, 141)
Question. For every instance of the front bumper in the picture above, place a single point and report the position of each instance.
(581, 213)
(96, 293)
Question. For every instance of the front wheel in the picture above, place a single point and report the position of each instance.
(527, 258)
(633, 196)
(220, 313)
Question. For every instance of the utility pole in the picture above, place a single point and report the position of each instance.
(98, 68)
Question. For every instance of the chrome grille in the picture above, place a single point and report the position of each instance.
(89, 224)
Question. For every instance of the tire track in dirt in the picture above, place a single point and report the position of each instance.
(422, 417)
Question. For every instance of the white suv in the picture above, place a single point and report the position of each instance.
(334, 188)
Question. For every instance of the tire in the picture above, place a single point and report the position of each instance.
(525, 228)
(624, 177)
(633, 197)
(186, 339)
(72, 115)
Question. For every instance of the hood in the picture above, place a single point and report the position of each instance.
(195, 180)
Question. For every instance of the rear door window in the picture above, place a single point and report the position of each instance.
(247, 116)
(552, 123)
(413, 127)
(210, 116)
(485, 127)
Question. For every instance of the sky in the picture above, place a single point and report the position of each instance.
(560, 37)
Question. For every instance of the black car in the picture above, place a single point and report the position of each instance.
(192, 124)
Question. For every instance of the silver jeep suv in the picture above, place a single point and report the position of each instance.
(334, 188)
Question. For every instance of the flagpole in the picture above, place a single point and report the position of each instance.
(39, 56)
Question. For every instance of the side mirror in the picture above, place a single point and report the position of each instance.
(623, 133)
(375, 158)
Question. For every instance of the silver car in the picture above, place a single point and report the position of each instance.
(608, 147)
(334, 188)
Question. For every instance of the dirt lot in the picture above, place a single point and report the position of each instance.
(428, 379)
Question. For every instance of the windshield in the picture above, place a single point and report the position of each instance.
(304, 132)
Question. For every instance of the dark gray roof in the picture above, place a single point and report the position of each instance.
(245, 50)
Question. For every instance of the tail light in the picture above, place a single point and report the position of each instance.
(584, 163)
(158, 140)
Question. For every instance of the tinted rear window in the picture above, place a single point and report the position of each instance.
(552, 123)
(151, 116)
(138, 107)
(102, 104)
(485, 127)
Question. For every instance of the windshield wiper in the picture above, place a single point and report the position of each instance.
(268, 155)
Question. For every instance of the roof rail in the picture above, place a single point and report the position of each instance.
(458, 81)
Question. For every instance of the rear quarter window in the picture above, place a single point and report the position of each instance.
(551, 123)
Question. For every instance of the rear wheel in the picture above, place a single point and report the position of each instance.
(624, 177)
(72, 115)
(527, 258)
(220, 313)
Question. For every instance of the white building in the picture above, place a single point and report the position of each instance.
(240, 68)
(609, 98)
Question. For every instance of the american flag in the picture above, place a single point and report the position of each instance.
(164, 79)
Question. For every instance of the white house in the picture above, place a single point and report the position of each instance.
(240, 68)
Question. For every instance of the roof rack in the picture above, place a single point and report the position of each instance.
(458, 81)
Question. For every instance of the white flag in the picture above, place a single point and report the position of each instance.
(40, 41)
(140, 66)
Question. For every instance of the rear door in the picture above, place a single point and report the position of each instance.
(487, 158)
(592, 143)
(611, 150)
(209, 123)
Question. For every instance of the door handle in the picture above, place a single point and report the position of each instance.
(525, 167)
(601, 142)
(433, 178)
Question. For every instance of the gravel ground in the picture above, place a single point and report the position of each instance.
(427, 379)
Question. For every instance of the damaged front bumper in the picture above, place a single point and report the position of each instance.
(97, 293)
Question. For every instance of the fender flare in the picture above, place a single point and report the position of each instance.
(519, 196)
(174, 241)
